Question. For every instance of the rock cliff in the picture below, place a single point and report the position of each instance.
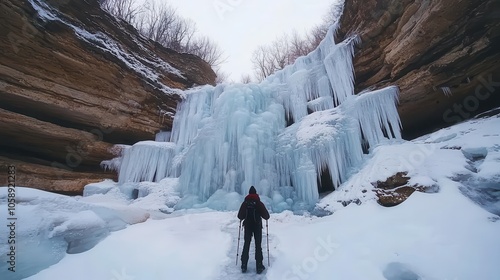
(74, 81)
(443, 55)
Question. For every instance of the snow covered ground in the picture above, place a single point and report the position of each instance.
(451, 234)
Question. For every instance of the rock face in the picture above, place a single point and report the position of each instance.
(443, 55)
(74, 81)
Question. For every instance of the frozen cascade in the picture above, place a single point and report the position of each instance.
(376, 115)
(146, 161)
(235, 138)
(163, 136)
(228, 137)
(331, 140)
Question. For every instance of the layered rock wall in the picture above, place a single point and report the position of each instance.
(443, 55)
(73, 85)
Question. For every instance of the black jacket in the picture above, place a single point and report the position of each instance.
(260, 207)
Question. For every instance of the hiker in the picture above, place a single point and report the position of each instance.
(252, 210)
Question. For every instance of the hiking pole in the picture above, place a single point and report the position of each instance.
(267, 231)
(238, 248)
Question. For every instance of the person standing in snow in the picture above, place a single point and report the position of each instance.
(252, 211)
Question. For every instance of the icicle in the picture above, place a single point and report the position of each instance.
(146, 161)
(377, 114)
(447, 91)
(340, 70)
(327, 139)
(163, 136)
(231, 146)
(229, 137)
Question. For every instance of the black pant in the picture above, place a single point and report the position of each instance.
(256, 231)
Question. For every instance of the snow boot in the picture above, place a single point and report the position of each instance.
(243, 267)
(260, 267)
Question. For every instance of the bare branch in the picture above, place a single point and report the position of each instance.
(286, 49)
(160, 22)
(246, 79)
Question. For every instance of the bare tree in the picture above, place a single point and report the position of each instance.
(181, 35)
(123, 9)
(157, 22)
(334, 13)
(286, 49)
(317, 34)
(246, 79)
(160, 22)
(205, 48)
(221, 77)
(259, 61)
(271, 58)
(299, 46)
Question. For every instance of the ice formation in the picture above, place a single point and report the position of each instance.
(54, 225)
(146, 161)
(278, 135)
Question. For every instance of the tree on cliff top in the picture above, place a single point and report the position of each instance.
(284, 50)
(161, 23)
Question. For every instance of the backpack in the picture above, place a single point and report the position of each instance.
(252, 216)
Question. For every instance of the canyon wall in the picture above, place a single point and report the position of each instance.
(443, 55)
(74, 81)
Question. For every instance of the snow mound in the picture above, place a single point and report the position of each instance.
(49, 226)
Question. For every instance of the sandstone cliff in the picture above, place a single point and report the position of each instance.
(444, 56)
(74, 81)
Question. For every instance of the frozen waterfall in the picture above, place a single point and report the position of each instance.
(279, 135)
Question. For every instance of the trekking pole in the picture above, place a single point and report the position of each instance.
(238, 248)
(267, 231)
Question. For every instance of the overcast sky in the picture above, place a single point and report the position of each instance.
(240, 26)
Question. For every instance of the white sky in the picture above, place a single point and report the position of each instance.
(240, 26)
